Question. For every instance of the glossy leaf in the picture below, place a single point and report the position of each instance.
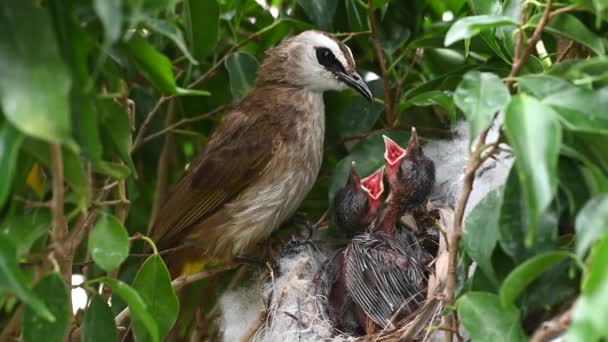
(361, 114)
(241, 68)
(356, 15)
(582, 109)
(480, 95)
(434, 98)
(110, 14)
(116, 126)
(481, 233)
(35, 82)
(108, 242)
(54, 292)
(13, 281)
(10, 142)
(24, 230)
(535, 135)
(73, 169)
(524, 274)
(153, 284)
(592, 305)
(138, 307)
(542, 86)
(486, 320)
(570, 27)
(202, 26)
(172, 32)
(469, 27)
(153, 65)
(321, 12)
(99, 322)
(591, 223)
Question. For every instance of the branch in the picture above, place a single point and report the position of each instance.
(550, 330)
(520, 59)
(388, 108)
(179, 282)
(183, 122)
(232, 50)
(142, 130)
(59, 231)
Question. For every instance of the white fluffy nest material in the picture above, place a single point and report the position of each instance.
(289, 308)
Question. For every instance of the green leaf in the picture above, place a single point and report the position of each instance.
(361, 114)
(13, 281)
(72, 166)
(108, 242)
(568, 26)
(116, 125)
(469, 27)
(480, 95)
(138, 307)
(434, 98)
(153, 65)
(321, 12)
(591, 223)
(591, 308)
(535, 134)
(202, 26)
(367, 154)
(24, 230)
(110, 14)
(241, 68)
(171, 31)
(356, 15)
(35, 83)
(10, 142)
(582, 109)
(54, 293)
(486, 320)
(541, 86)
(153, 283)
(99, 322)
(481, 233)
(526, 273)
(192, 92)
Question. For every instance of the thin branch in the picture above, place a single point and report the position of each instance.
(232, 50)
(550, 330)
(520, 59)
(142, 130)
(183, 122)
(388, 108)
(59, 231)
(565, 52)
(181, 281)
(417, 55)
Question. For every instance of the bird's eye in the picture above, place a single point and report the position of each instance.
(326, 58)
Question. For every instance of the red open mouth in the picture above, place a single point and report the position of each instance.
(373, 184)
(392, 152)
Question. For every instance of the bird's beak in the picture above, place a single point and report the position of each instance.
(356, 82)
(353, 177)
(373, 184)
(413, 143)
(392, 152)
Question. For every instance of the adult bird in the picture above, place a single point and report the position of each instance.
(386, 268)
(262, 160)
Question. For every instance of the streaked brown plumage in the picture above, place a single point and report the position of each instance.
(262, 161)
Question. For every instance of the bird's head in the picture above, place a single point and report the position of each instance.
(358, 202)
(409, 171)
(315, 60)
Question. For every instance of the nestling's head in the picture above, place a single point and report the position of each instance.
(357, 204)
(410, 173)
(314, 60)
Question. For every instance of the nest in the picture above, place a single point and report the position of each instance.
(295, 310)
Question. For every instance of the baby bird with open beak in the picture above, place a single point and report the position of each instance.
(386, 268)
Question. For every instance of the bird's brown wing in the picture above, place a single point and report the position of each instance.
(235, 157)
